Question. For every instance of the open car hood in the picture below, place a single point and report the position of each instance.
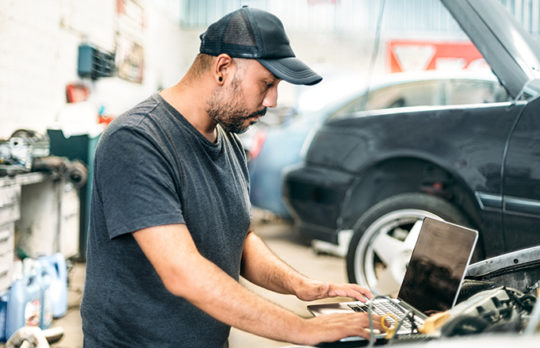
(511, 52)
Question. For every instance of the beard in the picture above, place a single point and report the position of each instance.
(224, 107)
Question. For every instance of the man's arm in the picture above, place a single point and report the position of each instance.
(186, 273)
(262, 267)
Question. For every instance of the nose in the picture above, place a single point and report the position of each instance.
(270, 98)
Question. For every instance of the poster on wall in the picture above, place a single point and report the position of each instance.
(416, 55)
(129, 40)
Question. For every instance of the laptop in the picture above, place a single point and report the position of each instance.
(432, 280)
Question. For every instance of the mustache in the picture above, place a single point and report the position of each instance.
(261, 112)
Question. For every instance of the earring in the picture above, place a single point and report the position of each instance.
(220, 79)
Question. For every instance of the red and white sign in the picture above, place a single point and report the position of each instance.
(409, 55)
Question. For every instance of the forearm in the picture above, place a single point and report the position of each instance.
(186, 273)
(223, 298)
(262, 267)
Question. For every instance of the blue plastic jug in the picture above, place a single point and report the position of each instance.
(24, 304)
(3, 311)
(45, 277)
(56, 266)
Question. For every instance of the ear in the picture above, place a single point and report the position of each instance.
(223, 68)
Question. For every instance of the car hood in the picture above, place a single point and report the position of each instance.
(511, 52)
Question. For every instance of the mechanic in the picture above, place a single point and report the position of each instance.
(169, 231)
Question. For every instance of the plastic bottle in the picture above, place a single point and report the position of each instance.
(24, 304)
(45, 277)
(56, 264)
(3, 315)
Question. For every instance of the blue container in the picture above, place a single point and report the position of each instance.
(3, 309)
(45, 277)
(55, 265)
(24, 305)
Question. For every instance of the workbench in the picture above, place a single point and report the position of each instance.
(39, 215)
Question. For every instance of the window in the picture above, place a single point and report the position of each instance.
(474, 92)
(418, 93)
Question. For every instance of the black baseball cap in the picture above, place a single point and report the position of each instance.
(257, 34)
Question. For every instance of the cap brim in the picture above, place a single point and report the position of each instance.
(292, 70)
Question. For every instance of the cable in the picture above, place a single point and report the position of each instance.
(374, 54)
(398, 324)
(407, 315)
(370, 316)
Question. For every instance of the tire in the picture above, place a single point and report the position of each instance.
(379, 250)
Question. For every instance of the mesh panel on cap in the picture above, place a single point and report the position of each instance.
(211, 35)
(238, 31)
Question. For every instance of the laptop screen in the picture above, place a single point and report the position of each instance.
(437, 266)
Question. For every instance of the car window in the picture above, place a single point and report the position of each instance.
(428, 93)
(474, 92)
(409, 94)
(416, 93)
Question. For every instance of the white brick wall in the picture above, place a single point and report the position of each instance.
(30, 63)
(38, 57)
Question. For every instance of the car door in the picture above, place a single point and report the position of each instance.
(514, 56)
(521, 181)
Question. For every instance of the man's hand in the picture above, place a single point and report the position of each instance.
(314, 290)
(333, 327)
(262, 267)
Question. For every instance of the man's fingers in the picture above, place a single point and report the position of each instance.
(350, 290)
(338, 326)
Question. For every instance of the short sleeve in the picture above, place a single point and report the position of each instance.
(135, 183)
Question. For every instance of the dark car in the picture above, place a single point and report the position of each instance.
(281, 145)
(369, 178)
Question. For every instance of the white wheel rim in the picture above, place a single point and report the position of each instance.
(389, 240)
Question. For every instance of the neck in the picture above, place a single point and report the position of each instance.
(190, 99)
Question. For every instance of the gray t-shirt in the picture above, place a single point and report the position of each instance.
(152, 167)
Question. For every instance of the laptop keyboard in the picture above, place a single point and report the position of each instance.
(386, 306)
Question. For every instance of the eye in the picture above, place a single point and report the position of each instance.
(269, 83)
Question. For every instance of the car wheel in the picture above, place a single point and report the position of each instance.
(385, 235)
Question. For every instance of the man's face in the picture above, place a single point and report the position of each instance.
(239, 104)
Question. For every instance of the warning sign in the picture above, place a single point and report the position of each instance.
(409, 55)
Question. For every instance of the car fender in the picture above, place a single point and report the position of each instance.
(404, 172)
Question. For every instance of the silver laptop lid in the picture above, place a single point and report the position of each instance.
(437, 265)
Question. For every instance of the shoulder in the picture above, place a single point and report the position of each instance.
(135, 117)
(143, 121)
(130, 133)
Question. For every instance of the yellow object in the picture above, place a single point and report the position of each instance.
(434, 322)
(390, 330)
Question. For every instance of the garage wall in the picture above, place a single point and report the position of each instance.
(31, 66)
(38, 57)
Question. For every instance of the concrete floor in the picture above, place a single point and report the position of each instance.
(280, 237)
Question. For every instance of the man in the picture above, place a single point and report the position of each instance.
(169, 231)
